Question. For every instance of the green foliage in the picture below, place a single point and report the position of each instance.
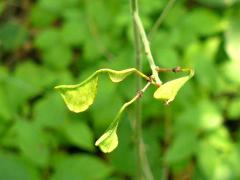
(45, 43)
(80, 167)
(12, 35)
(21, 169)
(231, 36)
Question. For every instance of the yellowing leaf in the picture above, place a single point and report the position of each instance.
(169, 90)
(108, 141)
(80, 96)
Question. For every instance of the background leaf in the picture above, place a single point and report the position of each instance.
(231, 35)
(80, 167)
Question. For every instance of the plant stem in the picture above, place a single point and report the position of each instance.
(143, 165)
(161, 17)
(138, 110)
(142, 34)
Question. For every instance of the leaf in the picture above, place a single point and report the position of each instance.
(47, 39)
(32, 142)
(232, 36)
(207, 158)
(218, 3)
(169, 90)
(80, 166)
(5, 110)
(79, 97)
(79, 133)
(58, 56)
(12, 35)
(72, 33)
(233, 109)
(10, 162)
(177, 151)
(45, 117)
(2, 6)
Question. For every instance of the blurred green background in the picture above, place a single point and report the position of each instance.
(44, 43)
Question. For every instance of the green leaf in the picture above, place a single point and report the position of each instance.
(79, 134)
(169, 90)
(79, 97)
(32, 142)
(233, 109)
(5, 110)
(58, 56)
(47, 39)
(232, 36)
(207, 159)
(72, 33)
(178, 152)
(41, 17)
(217, 3)
(12, 35)
(202, 21)
(80, 166)
(50, 119)
(22, 170)
(2, 6)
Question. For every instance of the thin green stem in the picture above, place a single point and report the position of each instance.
(146, 45)
(138, 110)
(161, 18)
(136, 97)
(144, 171)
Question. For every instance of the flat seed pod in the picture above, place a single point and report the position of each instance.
(169, 90)
(79, 97)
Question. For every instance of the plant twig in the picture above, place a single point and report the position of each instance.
(138, 110)
(161, 18)
(146, 45)
(143, 165)
(176, 69)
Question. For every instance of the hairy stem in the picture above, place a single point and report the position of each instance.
(146, 45)
(143, 165)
